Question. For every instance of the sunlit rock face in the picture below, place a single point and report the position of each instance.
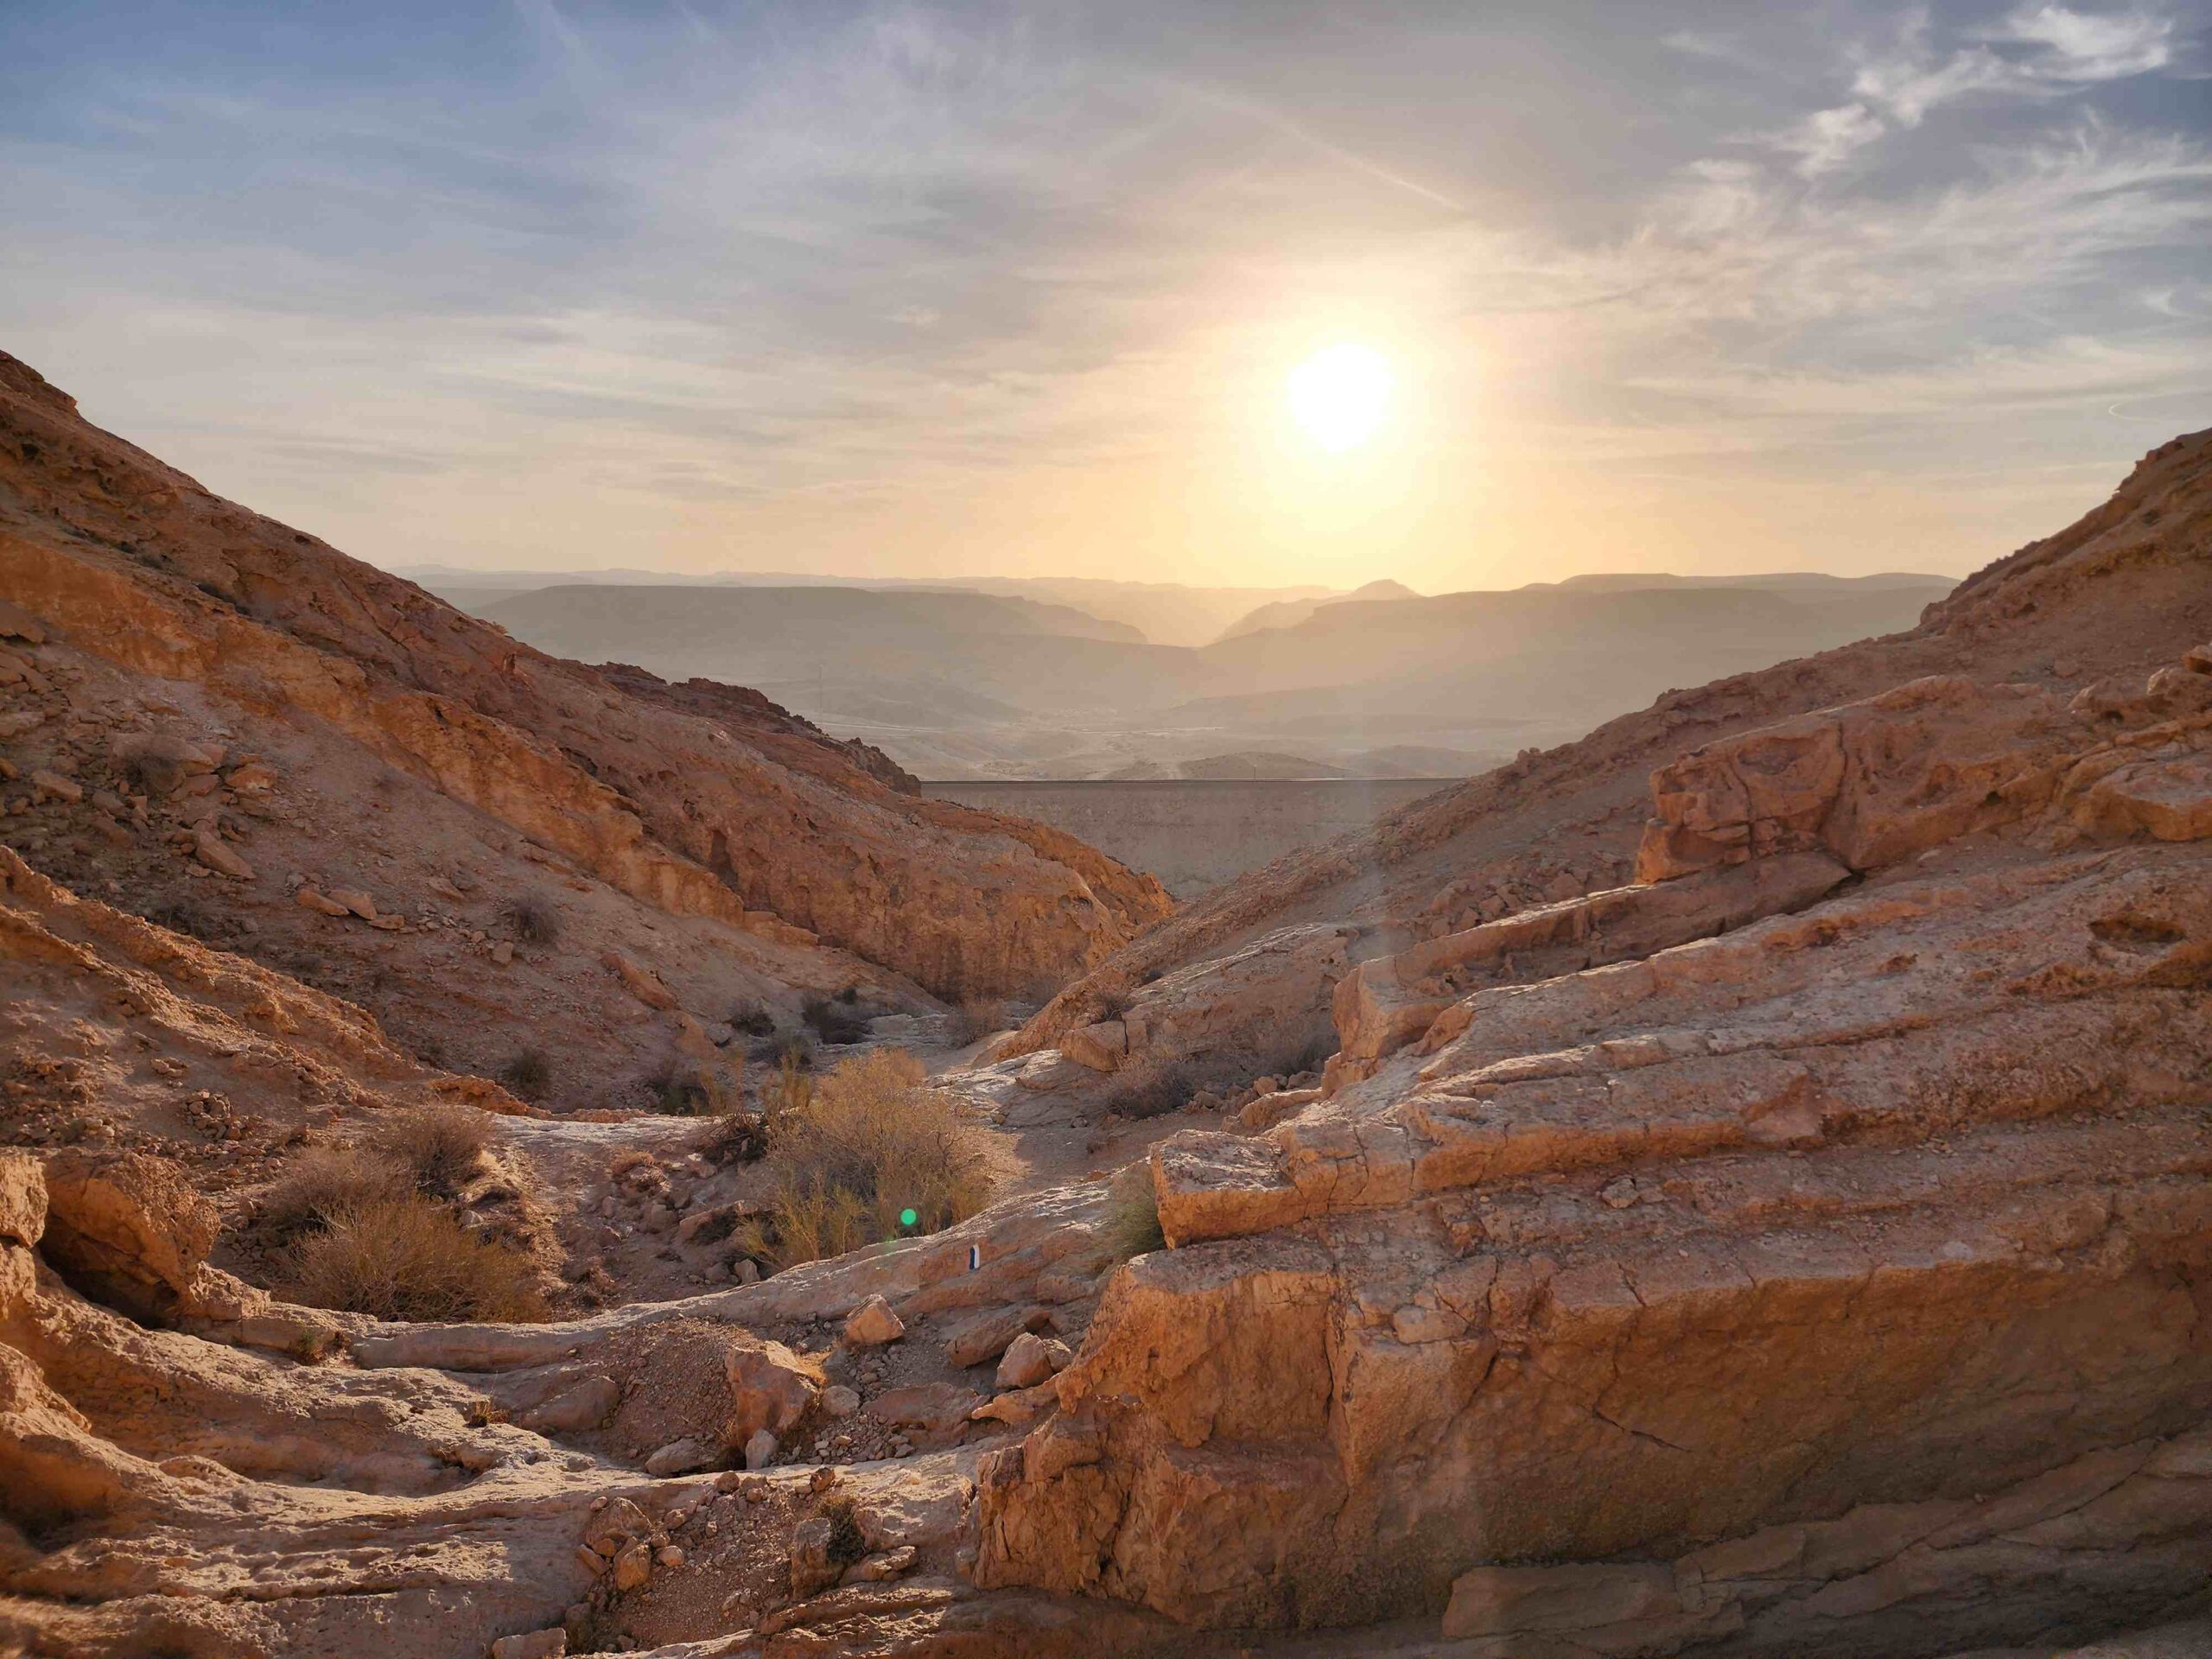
(1851, 1157)
(695, 800)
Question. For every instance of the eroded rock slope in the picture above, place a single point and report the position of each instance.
(190, 691)
(1755, 1224)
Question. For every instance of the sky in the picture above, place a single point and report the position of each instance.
(837, 287)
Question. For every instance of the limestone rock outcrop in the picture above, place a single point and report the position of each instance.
(1890, 1194)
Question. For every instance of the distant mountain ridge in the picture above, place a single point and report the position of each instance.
(1804, 582)
(954, 683)
(1289, 612)
(1164, 612)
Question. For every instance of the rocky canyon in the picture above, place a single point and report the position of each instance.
(1734, 1185)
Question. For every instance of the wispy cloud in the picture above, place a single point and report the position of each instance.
(966, 287)
(2035, 52)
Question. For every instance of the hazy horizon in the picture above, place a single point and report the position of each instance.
(1267, 297)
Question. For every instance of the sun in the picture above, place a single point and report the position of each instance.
(1341, 394)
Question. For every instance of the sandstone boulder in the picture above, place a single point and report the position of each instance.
(770, 1388)
(641, 982)
(873, 1324)
(22, 1224)
(1030, 1360)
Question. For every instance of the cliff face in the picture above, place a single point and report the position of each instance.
(696, 801)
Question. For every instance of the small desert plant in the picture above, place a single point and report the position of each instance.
(529, 1073)
(1155, 1093)
(753, 1021)
(437, 1147)
(974, 1021)
(873, 1144)
(847, 1543)
(409, 1259)
(789, 1094)
(1110, 1005)
(1132, 1217)
(832, 1022)
(629, 1161)
(534, 920)
(325, 1182)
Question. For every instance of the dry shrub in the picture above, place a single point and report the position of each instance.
(835, 1022)
(974, 1021)
(529, 1075)
(409, 1259)
(629, 1161)
(872, 1140)
(848, 1541)
(534, 920)
(687, 1087)
(1153, 1094)
(733, 1137)
(749, 1018)
(789, 1094)
(439, 1146)
(325, 1182)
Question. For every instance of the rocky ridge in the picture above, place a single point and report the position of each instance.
(165, 616)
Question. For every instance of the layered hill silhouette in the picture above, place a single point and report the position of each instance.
(1289, 612)
(953, 685)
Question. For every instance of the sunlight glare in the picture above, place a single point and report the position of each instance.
(1341, 394)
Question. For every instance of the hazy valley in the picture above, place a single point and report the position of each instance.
(960, 683)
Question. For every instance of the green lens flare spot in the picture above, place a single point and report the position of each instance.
(907, 1218)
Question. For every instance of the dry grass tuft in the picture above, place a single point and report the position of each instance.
(534, 920)
(976, 1020)
(324, 1183)
(869, 1142)
(529, 1075)
(438, 1147)
(408, 1259)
